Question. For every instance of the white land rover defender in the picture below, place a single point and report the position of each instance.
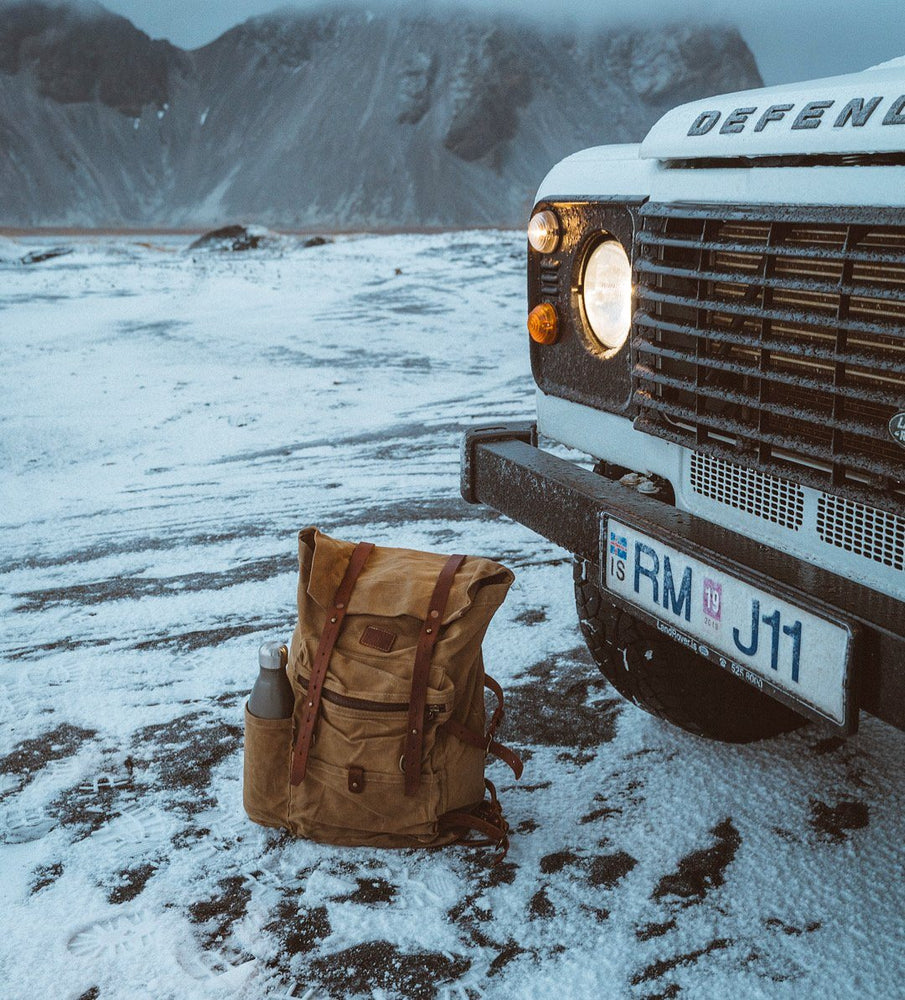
(717, 316)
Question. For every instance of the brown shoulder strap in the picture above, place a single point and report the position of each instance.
(430, 630)
(330, 634)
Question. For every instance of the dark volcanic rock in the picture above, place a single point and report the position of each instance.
(834, 822)
(703, 870)
(278, 37)
(183, 753)
(609, 869)
(81, 52)
(685, 63)
(495, 85)
(450, 118)
(235, 238)
(39, 256)
(130, 883)
(30, 756)
(416, 80)
(379, 965)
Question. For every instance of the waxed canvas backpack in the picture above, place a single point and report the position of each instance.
(388, 738)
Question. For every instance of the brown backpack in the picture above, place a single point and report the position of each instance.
(387, 743)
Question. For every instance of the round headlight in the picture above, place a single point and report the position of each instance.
(544, 231)
(607, 294)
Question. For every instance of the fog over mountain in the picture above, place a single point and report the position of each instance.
(335, 119)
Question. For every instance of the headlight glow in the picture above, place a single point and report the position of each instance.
(607, 294)
(544, 231)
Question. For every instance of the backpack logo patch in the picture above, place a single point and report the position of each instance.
(378, 638)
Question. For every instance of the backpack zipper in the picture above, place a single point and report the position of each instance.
(432, 711)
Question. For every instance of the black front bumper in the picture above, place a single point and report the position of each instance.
(503, 468)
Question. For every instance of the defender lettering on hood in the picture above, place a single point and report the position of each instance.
(841, 116)
(856, 113)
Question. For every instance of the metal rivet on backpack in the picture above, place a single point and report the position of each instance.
(414, 732)
(428, 630)
(333, 620)
(435, 614)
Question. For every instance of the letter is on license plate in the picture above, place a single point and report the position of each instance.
(753, 633)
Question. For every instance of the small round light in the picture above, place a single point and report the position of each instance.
(543, 324)
(607, 294)
(544, 231)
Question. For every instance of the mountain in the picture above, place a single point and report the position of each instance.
(335, 119)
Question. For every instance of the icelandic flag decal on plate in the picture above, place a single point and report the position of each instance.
(618, 546)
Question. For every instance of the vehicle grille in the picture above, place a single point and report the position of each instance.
(862, 530)
(773, 499)
(776, 342)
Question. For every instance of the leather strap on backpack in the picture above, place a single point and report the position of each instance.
(430, 631)
(322, 659)
(486, 740)
(498, 713)
(486, 818)
(487, 744)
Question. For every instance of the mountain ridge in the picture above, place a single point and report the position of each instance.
(335, 118)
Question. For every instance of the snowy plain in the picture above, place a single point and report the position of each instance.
(170, 419)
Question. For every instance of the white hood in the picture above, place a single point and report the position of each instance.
(842, 115)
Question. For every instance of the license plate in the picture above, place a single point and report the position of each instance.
(760, 637)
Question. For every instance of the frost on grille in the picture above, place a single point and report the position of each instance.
(863, 530)
(754, 492)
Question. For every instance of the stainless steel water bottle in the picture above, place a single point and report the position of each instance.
(272, 697)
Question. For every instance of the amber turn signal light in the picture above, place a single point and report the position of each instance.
(543, 324)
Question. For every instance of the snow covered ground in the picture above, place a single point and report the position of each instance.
(169, 420)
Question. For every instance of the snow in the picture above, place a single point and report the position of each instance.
(616, 171)
(855, 186)
(610, 170)
(897, 63)
(169, 420)
(9, 249)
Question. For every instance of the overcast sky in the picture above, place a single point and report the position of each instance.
(790, 40)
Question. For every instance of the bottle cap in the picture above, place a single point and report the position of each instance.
(273, 655)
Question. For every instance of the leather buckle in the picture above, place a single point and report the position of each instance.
(356, 780)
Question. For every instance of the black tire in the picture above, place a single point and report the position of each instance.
(669, 681)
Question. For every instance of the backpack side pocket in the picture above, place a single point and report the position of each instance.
(268, 754)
